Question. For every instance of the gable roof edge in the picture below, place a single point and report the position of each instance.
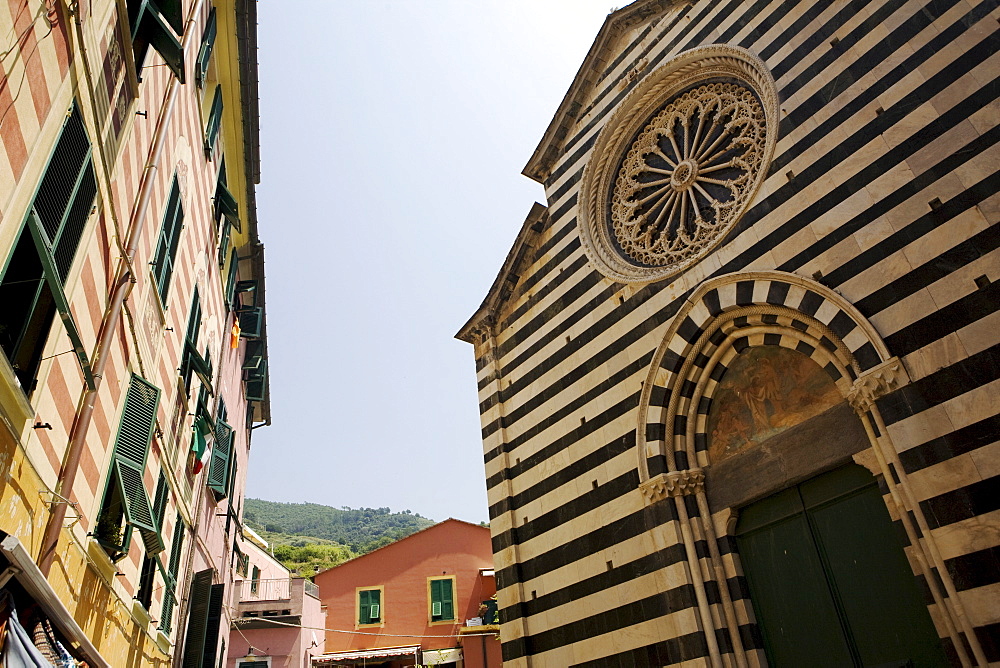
(502, 287)
(540, 164)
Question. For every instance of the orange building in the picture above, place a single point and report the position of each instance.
(424, 600)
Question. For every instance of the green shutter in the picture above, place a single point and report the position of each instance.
(154, 25)
(52, 277)
(194, 319)
(138, 419)
(369, 608)
(251, 322)
(257, 382)
(218, 471)
(447, 600)
(214, 120)
(131, 448)
(215, 599)
(249, 288)
(205, 52)
(226, 205)
(160, 500)
(194, 643)
(234, 266)
(168, 242)
(254, 354)
(169, 598)
(199, 365)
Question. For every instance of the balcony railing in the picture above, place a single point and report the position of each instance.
(310, 588)
(266, 590)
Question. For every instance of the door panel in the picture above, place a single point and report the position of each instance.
(791, 594)
(828, 578)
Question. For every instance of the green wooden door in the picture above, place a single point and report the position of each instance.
(828, 578)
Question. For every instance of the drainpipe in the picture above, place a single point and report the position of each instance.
(122, 288)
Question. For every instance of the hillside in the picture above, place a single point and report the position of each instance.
(360, 530)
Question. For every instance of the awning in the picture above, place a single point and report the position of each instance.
(38, 588)
(433, 657)
(334, 658)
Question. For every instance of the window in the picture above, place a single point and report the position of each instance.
(242, 561)
(193, 362)
(234, 267)
(205, 51)
(149, 565)
(32, 278)
(255, 581)
(222, 455)
(442, 599)
(214, 124)
(369, 606)
(166, 245)
(204, 616)
(173, 566)
(126, 504)
(158, 25)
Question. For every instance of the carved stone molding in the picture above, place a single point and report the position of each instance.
(678, 163)
(876, 383)
(675, 483)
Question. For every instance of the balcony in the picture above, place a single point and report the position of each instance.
(264, 602)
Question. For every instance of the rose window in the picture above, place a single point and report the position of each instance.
(688, 174)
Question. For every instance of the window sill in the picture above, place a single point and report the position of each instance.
(443, 622)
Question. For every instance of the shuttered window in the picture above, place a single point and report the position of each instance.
(157, 24)
(234, 266)
(126, 489)
(169, 240)
(193, 362)
(369, 606)
(212, 625)
(198, 613)
(218, 473)
(256, 387)
(32, 278)
(205, 51)
(442, 600)
(251, 322)
(214, 124)
(170, 595)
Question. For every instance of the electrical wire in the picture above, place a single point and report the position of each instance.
(246, 620)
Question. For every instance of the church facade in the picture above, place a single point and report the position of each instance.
(738, 378)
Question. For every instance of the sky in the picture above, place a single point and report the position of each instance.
(393, 135)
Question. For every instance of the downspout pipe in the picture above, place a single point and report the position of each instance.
(112, 315)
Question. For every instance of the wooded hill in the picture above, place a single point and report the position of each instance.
(309, 537)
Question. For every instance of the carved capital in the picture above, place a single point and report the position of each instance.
(675, 483)
(876, 383)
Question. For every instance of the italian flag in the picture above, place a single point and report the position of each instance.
(199, 444)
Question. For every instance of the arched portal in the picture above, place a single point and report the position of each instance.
(783, 324)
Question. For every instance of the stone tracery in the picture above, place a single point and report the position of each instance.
(688, 173)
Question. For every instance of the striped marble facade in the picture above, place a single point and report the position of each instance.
(870, 247)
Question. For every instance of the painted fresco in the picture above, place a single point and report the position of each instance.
(766, 391)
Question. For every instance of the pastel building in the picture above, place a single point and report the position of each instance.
(133, 356)
(738, 376)
(279, 618)
(426, 599)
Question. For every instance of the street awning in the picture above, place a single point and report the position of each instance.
(333, 658)
(434, 657)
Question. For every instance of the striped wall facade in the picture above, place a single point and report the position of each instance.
(870, 248)
(60, 56)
